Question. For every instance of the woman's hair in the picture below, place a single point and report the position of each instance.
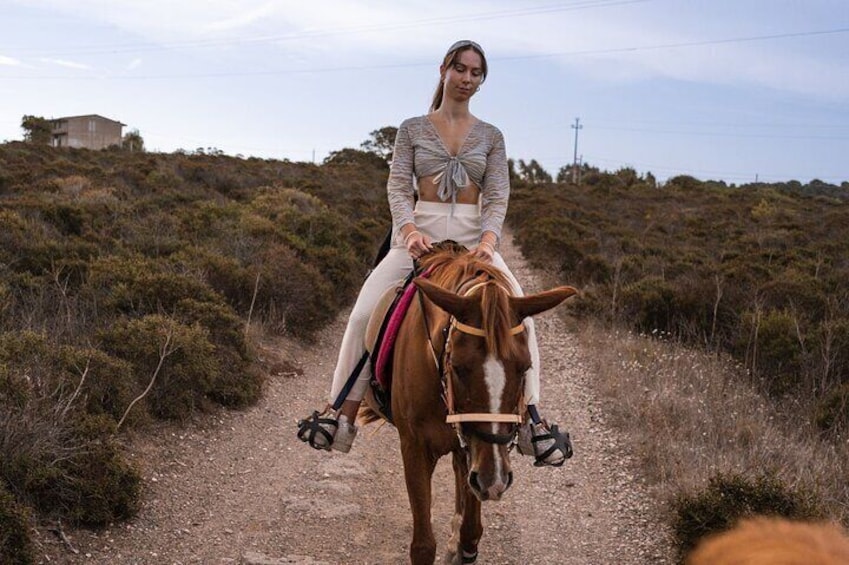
(451, 58)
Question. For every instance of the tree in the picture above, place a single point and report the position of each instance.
(36, 129)
(533, 172)
(133, 141)
(349, 156)
(382, 142)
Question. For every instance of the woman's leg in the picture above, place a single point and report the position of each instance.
(334, 427)
(547, 443)
(396, 265)
(532, 376)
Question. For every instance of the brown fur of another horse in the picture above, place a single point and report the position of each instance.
(774, 541)
(417, 405)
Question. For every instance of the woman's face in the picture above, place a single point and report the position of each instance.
(463, 76)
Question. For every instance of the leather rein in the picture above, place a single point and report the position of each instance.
(443, 364)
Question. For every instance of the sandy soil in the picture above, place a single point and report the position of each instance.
(238, 487)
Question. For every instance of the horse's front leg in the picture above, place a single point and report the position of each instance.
(418, 473)
(466, 527)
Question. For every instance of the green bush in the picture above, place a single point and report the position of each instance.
(189, 367)
(64, 464)
(648, 305)
(832, 413)
(91, 485)
(728, 498)
(237, 385)
(779, 352)
(293, 297)
(16, 547)
(106, 487)
(109, 386)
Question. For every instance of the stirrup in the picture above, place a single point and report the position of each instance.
(560, 443)
(314, 431)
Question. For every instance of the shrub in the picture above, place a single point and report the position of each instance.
(90, 484)
(292, 296)
(188, 363)
(105, 487)
(63, 463)
(236, 385)
(109, 384)
(15, 545)
(832, 413)
(728, 498)
(648, 305)
(779, 353)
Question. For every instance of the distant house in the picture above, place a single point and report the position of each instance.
(91, 132)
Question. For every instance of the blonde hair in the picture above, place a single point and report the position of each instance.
(451, 58)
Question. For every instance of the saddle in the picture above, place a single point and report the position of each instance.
(383, 326)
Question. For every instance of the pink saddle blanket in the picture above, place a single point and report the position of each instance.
(383, 365)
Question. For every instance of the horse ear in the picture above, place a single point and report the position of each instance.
(451, 302)
(526, 306)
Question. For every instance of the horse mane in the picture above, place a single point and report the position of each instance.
(765, 540)
(451, 265)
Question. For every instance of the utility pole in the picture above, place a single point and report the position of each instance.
(576, 126)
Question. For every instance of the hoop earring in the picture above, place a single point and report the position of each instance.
(478, 89)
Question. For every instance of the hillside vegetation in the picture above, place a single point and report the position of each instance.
(732, 379)
(760, 272)
(128, 282)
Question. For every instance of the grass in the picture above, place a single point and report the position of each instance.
(695, 416)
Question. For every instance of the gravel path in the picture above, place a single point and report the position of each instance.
(238, 487)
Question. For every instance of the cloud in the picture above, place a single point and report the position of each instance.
(9, 61)
(243, 18)
(64, 63)
(134, 64)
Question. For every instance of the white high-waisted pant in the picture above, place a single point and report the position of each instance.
(437, 221)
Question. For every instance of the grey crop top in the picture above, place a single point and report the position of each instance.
(420, 152)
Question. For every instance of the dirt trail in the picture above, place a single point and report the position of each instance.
(239, 487)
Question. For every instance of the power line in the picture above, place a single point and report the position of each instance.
(312, 34)
(585, 52)
(725, 134)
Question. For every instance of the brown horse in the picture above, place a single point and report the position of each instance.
(458, 378)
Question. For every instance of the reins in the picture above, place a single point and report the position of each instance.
(445, 373)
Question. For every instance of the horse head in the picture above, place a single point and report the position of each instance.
(485, 358)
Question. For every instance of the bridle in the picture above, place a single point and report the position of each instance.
(446, 374)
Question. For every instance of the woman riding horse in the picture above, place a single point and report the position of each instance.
(461, 359)
(459, 163)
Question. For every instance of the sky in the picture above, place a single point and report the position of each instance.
(733, 90)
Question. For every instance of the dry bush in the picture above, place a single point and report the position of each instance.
(700, 417)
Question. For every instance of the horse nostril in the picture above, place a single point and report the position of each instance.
(509, 480)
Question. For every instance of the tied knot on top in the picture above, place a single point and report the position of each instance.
(451, 180)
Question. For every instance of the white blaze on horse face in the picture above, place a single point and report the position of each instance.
(496, 378)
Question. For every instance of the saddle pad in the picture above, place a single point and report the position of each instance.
(378, 315)
(382, 368)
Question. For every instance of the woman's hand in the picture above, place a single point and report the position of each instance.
(418, 244)
(483, 252)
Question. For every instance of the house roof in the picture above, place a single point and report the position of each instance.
(88, 116)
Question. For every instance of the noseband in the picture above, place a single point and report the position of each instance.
(443, 363)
